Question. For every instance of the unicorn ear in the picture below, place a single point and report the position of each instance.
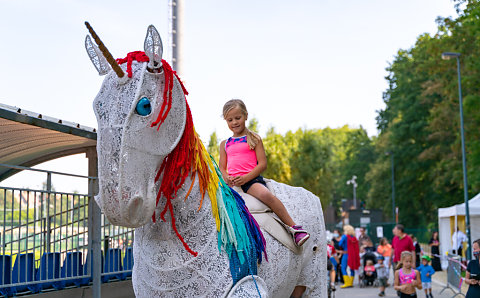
(96, 57)
(153, 47)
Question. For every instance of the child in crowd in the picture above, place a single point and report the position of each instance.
(407, 278)
(331, 271)
(426, 272)
(385, 249)
(243, 159)
(382, 274)
(369, 268)
(332, 253)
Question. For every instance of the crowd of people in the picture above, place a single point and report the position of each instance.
(352, 252)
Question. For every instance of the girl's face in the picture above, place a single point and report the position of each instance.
(407, 262)
(236, 121)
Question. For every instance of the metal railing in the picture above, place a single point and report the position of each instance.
(46, 242)
(454, 275)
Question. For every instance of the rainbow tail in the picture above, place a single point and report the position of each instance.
(255, 234)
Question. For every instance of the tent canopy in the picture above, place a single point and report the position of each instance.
(450, 218)
(30, 138)
(473, 206)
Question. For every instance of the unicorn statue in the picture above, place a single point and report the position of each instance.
(194, 235)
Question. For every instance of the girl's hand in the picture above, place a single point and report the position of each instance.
(229, 180)
(409, 287)
(400, 287)
(239, 180)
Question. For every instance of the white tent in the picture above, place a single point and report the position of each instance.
(450, 218)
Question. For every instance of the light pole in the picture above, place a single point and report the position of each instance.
(393, 184)
(354, 183)
(447, 56)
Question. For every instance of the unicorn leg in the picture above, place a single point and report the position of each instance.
(249, 286)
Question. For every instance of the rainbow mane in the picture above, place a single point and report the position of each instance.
(238, 232)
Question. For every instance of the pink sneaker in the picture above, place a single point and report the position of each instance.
(299, 235)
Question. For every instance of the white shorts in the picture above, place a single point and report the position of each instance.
(427, 285)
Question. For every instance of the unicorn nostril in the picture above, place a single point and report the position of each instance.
(135, 208)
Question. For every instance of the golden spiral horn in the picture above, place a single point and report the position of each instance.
(105, 52)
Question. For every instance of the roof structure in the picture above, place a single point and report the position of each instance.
(29, 138)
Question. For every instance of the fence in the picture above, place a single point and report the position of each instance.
(46, 242)
(454, 275)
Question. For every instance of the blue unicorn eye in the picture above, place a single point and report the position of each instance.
(143, 107)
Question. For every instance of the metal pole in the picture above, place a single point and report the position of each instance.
(48, 219)
(355, 195)
(393, 186)
(94, 225)
(464, 163)
(176, 34)
(354, 184)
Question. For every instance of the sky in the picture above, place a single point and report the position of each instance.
(296, 64)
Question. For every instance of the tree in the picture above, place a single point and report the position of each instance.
(213, 146)
(420, 122)
(253, 124)
(278, 155)
(310, 165)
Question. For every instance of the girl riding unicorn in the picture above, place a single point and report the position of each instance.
(243, 159)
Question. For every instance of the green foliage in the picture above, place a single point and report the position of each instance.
(359, 154)
(213, 146)
(278, 155)
(253, 124)
(310, 164)
(421, 125)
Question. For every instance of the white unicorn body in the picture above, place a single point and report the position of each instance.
(130, 153)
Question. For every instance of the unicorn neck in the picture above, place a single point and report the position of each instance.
(185, 206)
(159, 252)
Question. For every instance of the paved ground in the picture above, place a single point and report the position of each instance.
(437, 285)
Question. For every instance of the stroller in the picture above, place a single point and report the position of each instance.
(368, 277)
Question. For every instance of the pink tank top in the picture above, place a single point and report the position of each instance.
(406, 278)
(240, 159)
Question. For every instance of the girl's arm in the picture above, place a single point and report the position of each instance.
(380, 249)
(418, 280)
(222, 164)
(396, 284)
(261, 166)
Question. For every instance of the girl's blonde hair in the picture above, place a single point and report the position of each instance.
(252, 138)
(348, 230)
(405, 254)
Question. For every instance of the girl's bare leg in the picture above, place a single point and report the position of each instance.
(263, 194)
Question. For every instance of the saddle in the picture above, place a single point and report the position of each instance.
(268, 220)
